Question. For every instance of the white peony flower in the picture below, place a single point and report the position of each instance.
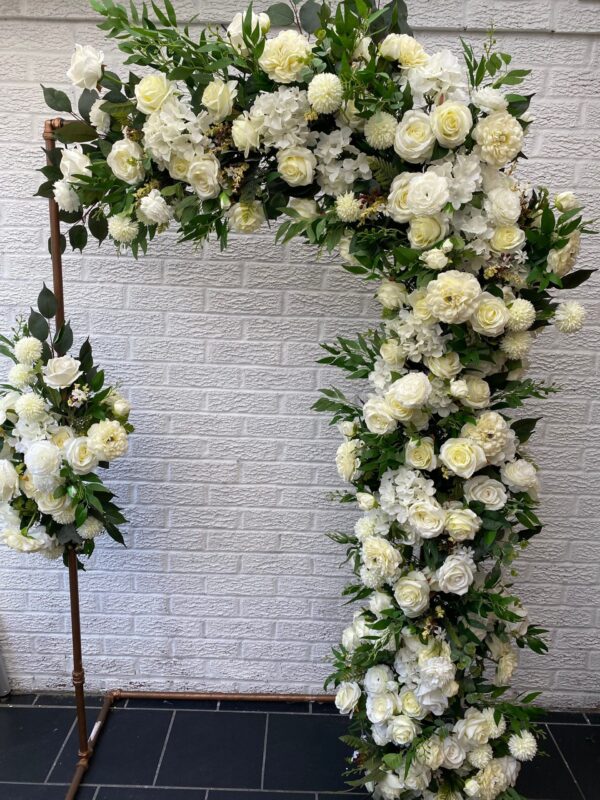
(380, 130)
(86, 67)
(43, 461)
(285, 56)
(61, 372)
(569, 317)
(427, 194)
(108, 439)
(415, 139)
(412, 593)
(347, 697)
(453, 296)
(325, 93)
(441, 77)
(122, 228)
(98, 118)
(218, 97)
(246, 217)
(380, 558)
(152, 92)
(126, 161)
(499, 137)
(65, 196)
(503, 206)
(519, 475)
(463, 457)
(451, 123)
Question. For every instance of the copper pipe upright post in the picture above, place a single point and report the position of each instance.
(57, 281)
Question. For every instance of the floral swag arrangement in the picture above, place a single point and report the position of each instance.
(404, 162)
(59, 424)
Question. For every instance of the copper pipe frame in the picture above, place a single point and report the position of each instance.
(88, 744)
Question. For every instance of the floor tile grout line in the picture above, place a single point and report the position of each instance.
(60, 752)
(164, 748)
(264, 758)
(568, 766)
(96, 793)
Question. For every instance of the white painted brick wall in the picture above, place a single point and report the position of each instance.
(229, 582)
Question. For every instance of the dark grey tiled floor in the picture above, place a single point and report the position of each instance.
(186, 750)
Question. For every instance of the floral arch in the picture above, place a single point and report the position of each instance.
(404, 163)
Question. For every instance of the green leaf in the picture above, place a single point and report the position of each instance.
(38, 327)
(309, 16)
(280, 15)
(547, 222)
(63, 340)
(86, 100)
(62, 243)
(76, 132)
(575, 279)
(98, 226)
(78, 237)
(56, 99)
(525, 427)
(47, 302)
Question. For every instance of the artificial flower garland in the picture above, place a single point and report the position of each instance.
(59, 425)
(403, 161)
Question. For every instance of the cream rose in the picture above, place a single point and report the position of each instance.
(218, 98)
(488, 491)
(126, 161)
(74, 163)
(402, 729)
(391, 294)
(426, 518)
(61, 372)
(412, 593)
(397, 205)
(378, 416)
(462, 457)
(500, 137)
(380, 707)
(462, 524)
(490, 315)
(86, 67)
(426, 231)
(403, 48)
(245, 132)
(519, 475)
(80, 456)
(452, 297)
(9, 481)
(456, 574)
(478, 392)
(507, 239)
(415, 138)
(566, 201)
(393, 354)
(451, 123)
(410, 391)
(203, 176)
(347, 697)
(246, 217)
(420, 453)
(447, 366)
(347, 460)
(296, 165)
(562, 261)
(285, 56)
(152, 92)
(454, 753)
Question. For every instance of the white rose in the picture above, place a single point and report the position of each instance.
(454, 753)
(420, 453)
(430, 753)
(562, 261)
(98, 118)
(153, 209)
(478, 392)
(391, 787)
(9, 481)
(426, 518)
(402, 729)
(347, 460)
(152, 92)
(80, 456)
(427, 194)
(490, 315)
(507, 239)
(380, 734)
(296, 165)
(472, 788)
(61, 372)
(456, 574)
(434, 259)
(426, 231)
(403, 48)
(566, 201)
(415, 138)
(462, 457)
(66, 197)
(54, 506)
(246, 217)
(43, 461)
(393, 354)
(412, 593)
(378, 416)
(218, 98)
(519, 475)
(377, 679)
(235, 29)
(447, 366)
(397, 205)
(126, 161)
(411, 391)
(488, 99)
(503, 206)
(488, 491)
(347, 696)
(203, 176)
(410, 704)
(245, 131)
(380, 707)
(391, 294)
(74, 163)
(451, 123)
(462, 523)
(473, 730)
(452, 297)
(86, 67)
(499, 137)
(304, 207)
(285, 56)
(362, 49)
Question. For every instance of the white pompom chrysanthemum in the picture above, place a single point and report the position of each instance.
(28, 350)
(516, 344)
(481, 756)
(522, 746)
(122, 228)
(30, 407)
(325, 93)
(569, 317)
(521, 315)
(20, 376)
(91, 528)
(380, 130)
(348, 207)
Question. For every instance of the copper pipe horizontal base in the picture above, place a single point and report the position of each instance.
(114, 695)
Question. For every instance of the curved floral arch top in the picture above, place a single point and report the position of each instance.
(344, 129)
